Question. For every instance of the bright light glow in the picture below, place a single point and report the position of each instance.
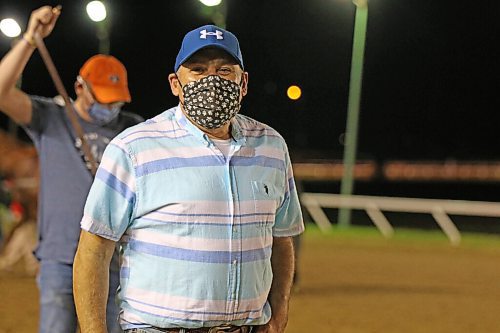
(294, 92)
(211, 3)
(10, 28)
(96, 11)
(360, 3)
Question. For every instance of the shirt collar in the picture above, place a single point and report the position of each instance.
(188, 125)
(237, 132)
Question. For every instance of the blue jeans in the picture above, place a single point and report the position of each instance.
(57, 307)
(245, 329)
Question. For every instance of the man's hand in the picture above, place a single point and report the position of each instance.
(273, 326)
(42, 20)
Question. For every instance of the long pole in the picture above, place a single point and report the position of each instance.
(355, 84)
(51, 68)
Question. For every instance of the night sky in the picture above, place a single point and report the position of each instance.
(430, 76)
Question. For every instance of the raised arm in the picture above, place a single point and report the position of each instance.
(91, 281)
(14, 102)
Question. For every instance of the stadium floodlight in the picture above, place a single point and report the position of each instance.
(10, 28)
(211, 3)
(96, 11)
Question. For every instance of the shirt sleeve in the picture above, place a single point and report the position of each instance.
(289, 221)
(110, 204)
(42, 109)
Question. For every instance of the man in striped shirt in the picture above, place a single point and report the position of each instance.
(203, 205)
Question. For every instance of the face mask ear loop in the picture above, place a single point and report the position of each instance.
(182, 88)
(179, 80)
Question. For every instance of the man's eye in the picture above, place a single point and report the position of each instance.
(197, 70)
(225, 71)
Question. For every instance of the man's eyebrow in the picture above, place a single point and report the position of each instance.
(201, 62)
(193, 63)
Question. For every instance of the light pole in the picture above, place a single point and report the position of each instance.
(96, 11)
(216, 10)
(355, 84)
(11, 29)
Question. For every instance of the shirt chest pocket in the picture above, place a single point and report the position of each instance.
(266, 199)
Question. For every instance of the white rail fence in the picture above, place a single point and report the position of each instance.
(374, 207)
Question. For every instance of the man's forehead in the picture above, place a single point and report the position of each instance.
(212, 53)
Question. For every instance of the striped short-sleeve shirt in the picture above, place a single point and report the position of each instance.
(195, 227)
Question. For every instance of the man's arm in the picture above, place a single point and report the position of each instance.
(91, 281)
(282, 262)
(14, 102)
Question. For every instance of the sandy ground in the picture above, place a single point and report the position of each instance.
(355, 286)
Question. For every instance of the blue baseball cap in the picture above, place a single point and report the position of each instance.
(208, 36)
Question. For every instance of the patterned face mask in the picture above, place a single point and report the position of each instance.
(211, 101)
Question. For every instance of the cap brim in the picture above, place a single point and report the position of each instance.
(220, 46)
(107, 94)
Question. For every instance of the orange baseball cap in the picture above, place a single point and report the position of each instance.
(107, 77)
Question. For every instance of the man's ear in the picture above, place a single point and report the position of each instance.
(174, 84)
(244, 84)
(78, 88)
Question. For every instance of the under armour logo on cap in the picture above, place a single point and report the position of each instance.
(114, 78)
(218, 34)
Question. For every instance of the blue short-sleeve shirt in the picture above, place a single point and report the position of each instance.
(196, 227)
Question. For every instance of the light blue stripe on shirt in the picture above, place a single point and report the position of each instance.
(214, 257)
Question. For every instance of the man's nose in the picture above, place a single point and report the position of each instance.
(212, 70)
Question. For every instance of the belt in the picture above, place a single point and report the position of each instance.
(216, 329)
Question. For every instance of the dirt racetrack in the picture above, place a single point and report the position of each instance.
(357, 285)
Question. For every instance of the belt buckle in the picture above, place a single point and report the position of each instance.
(223, 328)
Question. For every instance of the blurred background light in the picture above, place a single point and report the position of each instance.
(294, 92)
(96, 11)
(10, 27)
(211, 3)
